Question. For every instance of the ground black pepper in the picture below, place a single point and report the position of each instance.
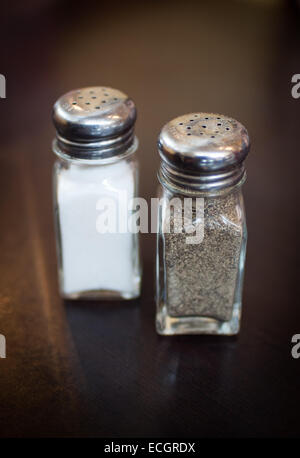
(201, 278)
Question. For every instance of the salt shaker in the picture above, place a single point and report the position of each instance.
(200, 276)
(95, 171)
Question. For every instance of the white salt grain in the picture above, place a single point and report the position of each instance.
(93, 261)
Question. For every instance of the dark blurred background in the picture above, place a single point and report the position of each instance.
(99, 369)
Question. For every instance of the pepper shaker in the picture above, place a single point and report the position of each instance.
(96, 165)
(199, 281)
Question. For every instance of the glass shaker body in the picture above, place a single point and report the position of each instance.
(96, 260)
(199, 284)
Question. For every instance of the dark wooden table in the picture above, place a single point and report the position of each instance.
(99, 369)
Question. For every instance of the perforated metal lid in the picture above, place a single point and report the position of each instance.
(94, 122)
(203, 151)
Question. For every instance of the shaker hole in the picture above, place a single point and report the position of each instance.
(204, 127)
(74, 103)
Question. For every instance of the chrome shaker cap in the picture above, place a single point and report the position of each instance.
(94, 123)
(203, 151)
